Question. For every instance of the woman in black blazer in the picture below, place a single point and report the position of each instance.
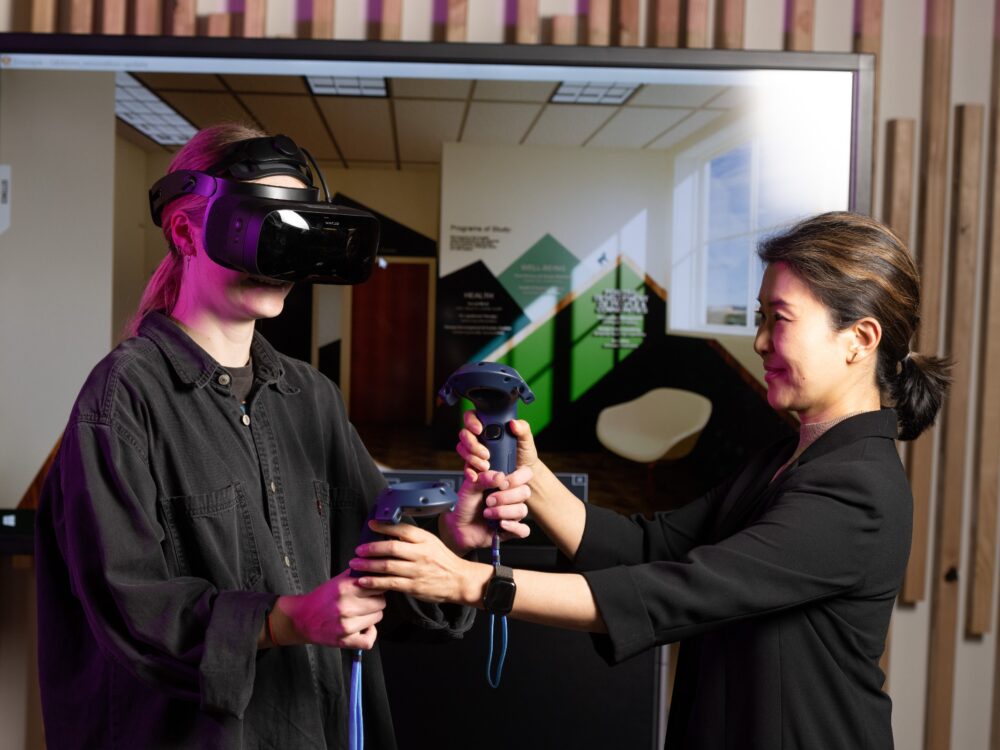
(780, 582)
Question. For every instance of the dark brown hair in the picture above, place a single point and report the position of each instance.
(858, 268)
(203, 150)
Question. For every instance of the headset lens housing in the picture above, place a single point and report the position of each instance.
(319, 245)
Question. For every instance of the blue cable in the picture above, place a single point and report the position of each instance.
(356, 719)
(494, 682)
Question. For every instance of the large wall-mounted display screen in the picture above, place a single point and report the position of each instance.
(589, 216)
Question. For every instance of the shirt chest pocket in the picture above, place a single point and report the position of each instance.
(211, 537)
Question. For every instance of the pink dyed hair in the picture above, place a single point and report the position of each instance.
(201, 152)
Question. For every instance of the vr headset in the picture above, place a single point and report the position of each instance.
(278, 232)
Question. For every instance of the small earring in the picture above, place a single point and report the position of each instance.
(853, 357)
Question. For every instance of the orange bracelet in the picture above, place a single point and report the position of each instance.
(270, 632)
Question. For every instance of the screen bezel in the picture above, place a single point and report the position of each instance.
(161, 53)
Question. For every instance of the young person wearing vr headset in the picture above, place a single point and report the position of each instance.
(194, 532)
(780, 582)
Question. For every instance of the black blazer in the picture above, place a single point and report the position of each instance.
(780, 591)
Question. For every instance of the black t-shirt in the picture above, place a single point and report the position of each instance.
(242, 381)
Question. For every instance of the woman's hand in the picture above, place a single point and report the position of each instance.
(477, 456)
(337, 613)
(415, 562)
(468, 525)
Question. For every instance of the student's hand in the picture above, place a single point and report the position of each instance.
(337, 613)
(467, 526)
(477, 456)
(415, 562)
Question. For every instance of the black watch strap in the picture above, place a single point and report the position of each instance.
(500, 590)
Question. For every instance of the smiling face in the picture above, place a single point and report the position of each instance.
(806, 362)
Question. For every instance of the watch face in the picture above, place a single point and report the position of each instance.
(500, 595)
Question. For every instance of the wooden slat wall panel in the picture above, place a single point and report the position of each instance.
(799, 18)
(527, 27)
(696, 31)
(930, 237)
(249, 21)
(215, 25)
(628, 24)
(729, 24)
(991, 318)
(146, 17)
(317, 21)
(43, 16)
(599, 23)
(897, 196)
(180, 18)
(110, 17)
(455, 28)
(76, 16)
(963, 238)
(868, 38)
(897, 213)
(664, 23)
(986, 469)
(565, 28)
(386, 23)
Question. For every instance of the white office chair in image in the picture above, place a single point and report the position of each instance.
(660, 425)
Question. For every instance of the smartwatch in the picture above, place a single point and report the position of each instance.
(500, 591)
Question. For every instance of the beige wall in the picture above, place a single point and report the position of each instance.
(57, 133)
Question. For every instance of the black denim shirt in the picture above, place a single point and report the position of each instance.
(169, 524)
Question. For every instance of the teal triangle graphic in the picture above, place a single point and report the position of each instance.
(544, 270)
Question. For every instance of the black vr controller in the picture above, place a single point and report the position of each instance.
(494, 390)
(413, 499)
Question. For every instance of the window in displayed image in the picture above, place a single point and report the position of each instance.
(721, 210)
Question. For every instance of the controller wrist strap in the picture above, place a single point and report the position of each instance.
(494, 680)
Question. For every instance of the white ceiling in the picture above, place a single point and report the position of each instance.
(408, 128)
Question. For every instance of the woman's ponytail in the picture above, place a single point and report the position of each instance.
(917, 391)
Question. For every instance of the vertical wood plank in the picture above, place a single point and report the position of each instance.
(599, 23)
(391, 21)
(315, 19)
(76, 16)
(696, 31)
(991, 319)
(799, 18)
(215, 25)
(664, 23)
(564, 29)
(627, 27)
(43, 16)
(527, 27)
(110, 17)
(867, 38)
(729, 24)
(180, 18)
(867, 35)
(147, 17)
(897, 212)
(450, 20)
(948, 533)
(986, 468)
(897, 195)
(248, 19)
(933, 165)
